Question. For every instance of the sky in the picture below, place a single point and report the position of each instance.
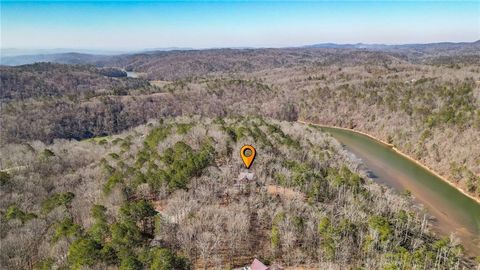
(133, 25)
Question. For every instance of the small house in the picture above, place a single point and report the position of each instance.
(258, 265)
(245, 178)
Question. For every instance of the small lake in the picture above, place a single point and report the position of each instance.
(454, 212)
(132, 74)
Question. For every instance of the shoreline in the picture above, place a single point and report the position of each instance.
(398, 151)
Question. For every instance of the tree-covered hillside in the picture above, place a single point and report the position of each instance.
(46, 80)
(429, 110)
(170, 195)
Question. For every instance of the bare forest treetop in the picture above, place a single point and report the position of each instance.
(90, 180)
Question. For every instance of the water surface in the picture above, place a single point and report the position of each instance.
(453, 211)
(132, 74)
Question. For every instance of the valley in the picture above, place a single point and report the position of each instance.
(101, 168)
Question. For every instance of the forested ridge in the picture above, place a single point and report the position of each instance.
(43, 80)
(166, 195)
(102, 170)
(428, 108)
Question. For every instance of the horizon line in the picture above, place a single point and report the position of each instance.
(113, 49)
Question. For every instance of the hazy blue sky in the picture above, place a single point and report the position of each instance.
(201, 24)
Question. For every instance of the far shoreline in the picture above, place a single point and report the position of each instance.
(394, 148)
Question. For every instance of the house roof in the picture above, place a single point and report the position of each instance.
(246, 176)
(258, 265)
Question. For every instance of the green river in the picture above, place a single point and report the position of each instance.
(453, 211)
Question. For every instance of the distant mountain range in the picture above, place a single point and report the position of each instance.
(397, 46)
(14, 57)
(9, 52)
(61, 58)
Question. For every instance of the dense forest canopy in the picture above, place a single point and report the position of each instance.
(424, 99)
(136, 199)
(102, 170)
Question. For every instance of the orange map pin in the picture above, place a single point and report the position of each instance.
(248, 155)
